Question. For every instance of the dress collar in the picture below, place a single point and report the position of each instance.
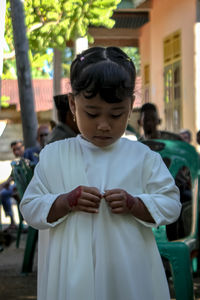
(92, 146)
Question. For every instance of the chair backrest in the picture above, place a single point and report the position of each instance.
(22, 172)
(183, 162)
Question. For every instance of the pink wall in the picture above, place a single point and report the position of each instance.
(167, 17)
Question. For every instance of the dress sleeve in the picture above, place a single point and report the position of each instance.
(161, 195)
(38, 197)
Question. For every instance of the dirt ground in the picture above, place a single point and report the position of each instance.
(14, 285)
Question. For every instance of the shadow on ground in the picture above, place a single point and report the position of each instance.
(14, 285)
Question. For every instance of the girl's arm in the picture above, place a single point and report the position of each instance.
(157, 203)
(47, 200)
(82, 198)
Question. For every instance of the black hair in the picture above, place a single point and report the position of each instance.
(12, 144)
(62, 106)
(148, 106)
(108, 72)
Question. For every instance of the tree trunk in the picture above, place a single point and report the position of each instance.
(57, 71)
(28, 114)
(57, 75)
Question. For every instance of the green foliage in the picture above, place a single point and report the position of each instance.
(67, 58)
(9, 69)
(8, 29)
(37, 62)
(50, 24)
(4, 101)
(133, 53)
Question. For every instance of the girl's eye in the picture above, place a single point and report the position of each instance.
(116, 116)
(91, 115)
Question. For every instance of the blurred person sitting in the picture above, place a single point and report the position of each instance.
(186, 135)
(66, 126)
(8, 188)
(149, 121)
(6, 193)
(32, 153)
(17, 148)
(52, 124)
(198, 137)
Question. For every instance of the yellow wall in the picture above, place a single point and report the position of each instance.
(166, 17)
(145, 41)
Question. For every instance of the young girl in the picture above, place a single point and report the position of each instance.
(96, 197)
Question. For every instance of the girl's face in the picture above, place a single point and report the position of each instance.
(99, 122)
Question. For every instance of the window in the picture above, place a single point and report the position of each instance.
(146, 83)
(172, 81)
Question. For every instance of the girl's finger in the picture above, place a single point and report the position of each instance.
(87, 209)
(92, 190)
(116, 204)
(90, 197)
(114, 197)
(118, 210)
(87, 203)
(110, 192)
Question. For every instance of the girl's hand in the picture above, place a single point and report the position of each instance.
(84, 198)
(119, 201)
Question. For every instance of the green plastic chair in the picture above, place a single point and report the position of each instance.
(22, 171)
(180, 252)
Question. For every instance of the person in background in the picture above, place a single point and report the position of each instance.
(149, 121)
(52, 124)
(17, 148)
(186, 135)
(32, 153)
(66, 126)
(8, 188)
(198, 137)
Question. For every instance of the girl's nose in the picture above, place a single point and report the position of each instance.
(103, 125)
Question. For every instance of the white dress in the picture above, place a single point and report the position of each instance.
(100, 256)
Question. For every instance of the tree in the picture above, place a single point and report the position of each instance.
(37, 59)
(28, 115)
(50, 24)
(54, 23)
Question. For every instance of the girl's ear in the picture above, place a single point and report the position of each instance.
(72, 103)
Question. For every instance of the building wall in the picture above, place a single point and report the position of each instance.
(166, 17)
(145, 52)
(12, 132)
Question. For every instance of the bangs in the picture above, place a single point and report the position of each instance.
(106, 78)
